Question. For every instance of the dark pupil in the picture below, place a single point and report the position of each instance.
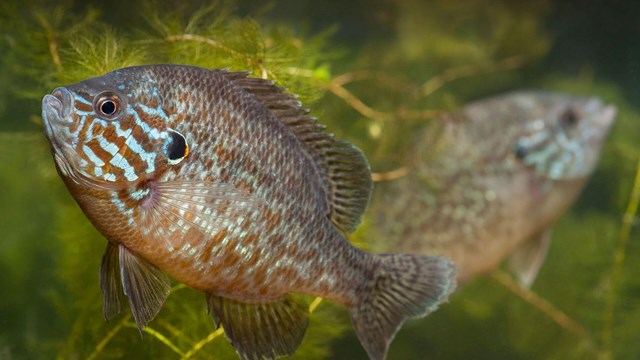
(108, 107)
(520, 152)
(569, 117)
(177, 147)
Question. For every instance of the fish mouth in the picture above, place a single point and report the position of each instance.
(607, 116)
(57, 105)
(604, 115)
(56, 110)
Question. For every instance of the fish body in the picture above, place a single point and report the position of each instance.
(224, 183)
(489, 180)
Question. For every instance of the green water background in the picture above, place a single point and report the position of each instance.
(373, 72)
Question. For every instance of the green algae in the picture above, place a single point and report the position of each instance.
(431, 57)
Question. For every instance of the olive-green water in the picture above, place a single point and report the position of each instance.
(373, 72)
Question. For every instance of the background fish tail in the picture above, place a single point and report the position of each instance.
(405, 286)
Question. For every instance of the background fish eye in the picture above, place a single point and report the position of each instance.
(569, 117)
(108, 105)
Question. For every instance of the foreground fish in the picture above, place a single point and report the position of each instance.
(225, 184)
(488, 181)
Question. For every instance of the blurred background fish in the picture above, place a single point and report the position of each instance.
(488, 181)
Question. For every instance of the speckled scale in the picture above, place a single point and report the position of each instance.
(225, 183)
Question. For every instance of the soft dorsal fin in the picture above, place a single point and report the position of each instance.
(345, 170)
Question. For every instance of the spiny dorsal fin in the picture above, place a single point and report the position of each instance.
(344, 167)
(261, 331)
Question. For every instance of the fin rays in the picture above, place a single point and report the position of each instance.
(177, 206)
(145, 286)
(343, 168)
(109, 275)
(261, 331)
(405, 286)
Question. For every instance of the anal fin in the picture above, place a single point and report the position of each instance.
(261, 330)
(526, 261)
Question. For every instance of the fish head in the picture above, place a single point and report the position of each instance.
(563, 135)
(110, 131)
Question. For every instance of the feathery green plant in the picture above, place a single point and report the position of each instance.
(376, 93)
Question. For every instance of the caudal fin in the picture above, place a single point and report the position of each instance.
(405, 286)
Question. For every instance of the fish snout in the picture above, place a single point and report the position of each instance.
(58, 103)
(603, 115)
(56, 109)
(65, 100)
(607, 116)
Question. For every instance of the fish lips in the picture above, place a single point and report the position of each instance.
(604, 115)
(602, 122)
(607, 116)
(56, 110)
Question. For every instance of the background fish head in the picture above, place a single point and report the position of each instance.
(107, 130)
(563, 135)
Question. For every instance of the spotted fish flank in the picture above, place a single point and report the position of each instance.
(489, 180)
(224, 183)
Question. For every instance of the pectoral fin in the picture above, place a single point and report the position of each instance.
(145, 286)
(261, 331)
(526, 261)
(178, 206)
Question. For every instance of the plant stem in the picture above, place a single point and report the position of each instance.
(618, 265)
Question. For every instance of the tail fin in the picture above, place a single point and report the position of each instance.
(405, 286)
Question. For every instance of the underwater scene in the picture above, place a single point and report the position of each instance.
(501, 135)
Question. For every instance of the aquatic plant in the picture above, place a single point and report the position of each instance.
(48, 45)
(435, 56)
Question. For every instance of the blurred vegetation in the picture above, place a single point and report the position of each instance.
(374, 72)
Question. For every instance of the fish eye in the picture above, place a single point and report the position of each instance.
(108, 105)
(569, 117)
(520, 152)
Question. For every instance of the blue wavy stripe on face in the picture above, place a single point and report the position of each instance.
(122, 208)
(152, 133)
(557, 168)
(74, 141)
(157, 111)
(106, 145)
(83, 100)
(540, 159)
(574, 151)
(121, 162)
(92, 156)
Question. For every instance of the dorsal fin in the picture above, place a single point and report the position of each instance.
(345, 170)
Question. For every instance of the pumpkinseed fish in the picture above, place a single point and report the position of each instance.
(488, 181)
(224, 183)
